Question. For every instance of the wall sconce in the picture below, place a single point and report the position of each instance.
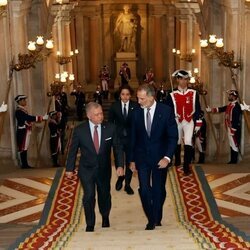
(196, 83)
(37, 52)
(188, 57)
(59, 82)
(213, 47)
(3, 5)
(66, 59)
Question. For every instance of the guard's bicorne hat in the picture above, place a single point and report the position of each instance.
(233, 92)
(20, 97)
(51, 113)
(181, 73)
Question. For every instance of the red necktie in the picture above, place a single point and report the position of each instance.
(96, 139)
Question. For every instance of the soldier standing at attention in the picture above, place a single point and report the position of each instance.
(24, 126)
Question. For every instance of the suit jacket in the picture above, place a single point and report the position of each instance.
(162, 141)
(82, 139)
(116, 116)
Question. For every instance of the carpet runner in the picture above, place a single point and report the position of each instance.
(195, 207)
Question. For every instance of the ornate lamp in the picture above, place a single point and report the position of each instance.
(66, 59)
(214, 48)
(37, 52)
(3, 5)
(188, 57)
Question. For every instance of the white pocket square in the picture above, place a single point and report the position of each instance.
(107, 139)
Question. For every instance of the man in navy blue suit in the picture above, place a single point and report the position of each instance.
(120, 114)
(154, 137)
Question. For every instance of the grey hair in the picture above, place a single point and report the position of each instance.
(92, 105)
(149, 89)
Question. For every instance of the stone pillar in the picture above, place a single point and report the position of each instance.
(106, 36)
(94, 44)
(80, 59)
(144, 60)
(158, 12)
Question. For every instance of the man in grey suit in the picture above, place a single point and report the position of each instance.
(95, 139)
(154, 138)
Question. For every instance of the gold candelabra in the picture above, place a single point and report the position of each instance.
(66, 59)
(59, 82)
(214, 48)
(37, 52)
(55, 87)
(188, 57)
(197, 84)
(3, 6)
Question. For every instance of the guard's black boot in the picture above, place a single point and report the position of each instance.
(234, 157)
(54, 159)
(201, 158)
(177, 155)
(188, 150)
(24, 161)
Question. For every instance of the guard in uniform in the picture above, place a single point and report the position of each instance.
(24, 126)
(55, 138)
(149, 76)
(200, 138)
(104, 80)
(125, 74)
(98, 95)
(186, 105)
(233, 115)
(161, 94)
(79, 101)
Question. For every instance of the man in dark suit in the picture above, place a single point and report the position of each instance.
(154, 138)
(120, 114)
(95, 139)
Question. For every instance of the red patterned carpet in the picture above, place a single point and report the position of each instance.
(196, 211)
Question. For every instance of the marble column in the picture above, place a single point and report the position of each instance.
(94, 49)
(158, 49)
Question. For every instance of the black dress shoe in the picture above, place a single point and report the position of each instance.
(89, 229)
(186, 173)
(105, 222)
(26, 167)
(150, 226)
(129, 190)
(158, 224)
(118, 185)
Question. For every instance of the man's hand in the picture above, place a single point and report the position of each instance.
(208, 109)
(132, 166)
(163, 163)
(69, 174)
(244, 106)
(45, 117)
(120, 171)
(3, 107)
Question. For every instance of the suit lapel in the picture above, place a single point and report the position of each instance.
(142, 119)
(103, 136)
(156, 119)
